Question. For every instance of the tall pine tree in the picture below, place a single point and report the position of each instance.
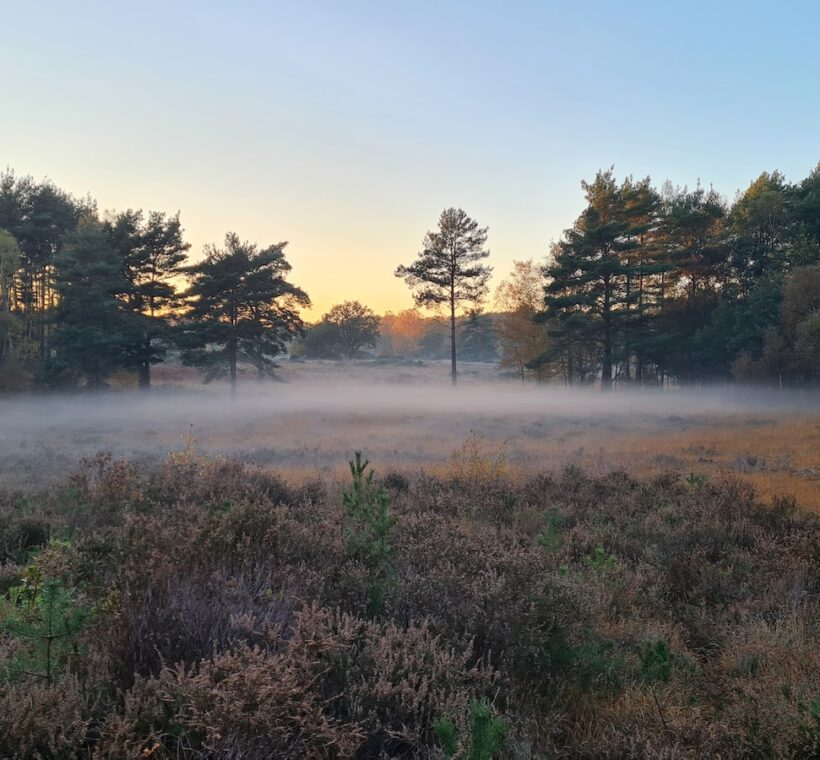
(241, 309)
(448, 271)
(153, 251)
(587, 293)
(92, 330)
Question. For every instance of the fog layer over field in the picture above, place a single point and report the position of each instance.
(129, 413)
(311, 425)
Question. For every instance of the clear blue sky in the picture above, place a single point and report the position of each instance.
(345, 127)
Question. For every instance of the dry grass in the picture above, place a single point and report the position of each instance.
(778, 454)
(405, 417)
(230, 618)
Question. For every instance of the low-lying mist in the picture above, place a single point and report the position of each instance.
(313, 425)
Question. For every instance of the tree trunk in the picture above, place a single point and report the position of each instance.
(232, 366)
(144, 376)
(453, 370)
(144, 367)
(606, 358)
(606, 369)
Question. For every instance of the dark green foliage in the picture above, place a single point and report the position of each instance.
(649, 286)
(43, 615)
(487, 733)
(447, 735)
(367, 514)
(600, 561)
(152, 251)
(9, 322)
(550, 536)
(350, 326)
(478, 341)
(367, 526)
(320, 341)
(93, 332)
(241, 309)
(657, 662)
(812, 728)
(40, 217)
(588, 295)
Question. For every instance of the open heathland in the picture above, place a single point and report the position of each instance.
(202, 607)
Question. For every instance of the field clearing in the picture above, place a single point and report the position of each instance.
(590, 613)
(405, 417)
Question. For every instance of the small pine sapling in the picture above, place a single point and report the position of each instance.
(657, 664)
(487, 738)
(45, 617)
(367, 526)
(550, 536)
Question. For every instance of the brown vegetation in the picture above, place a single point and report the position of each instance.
(229, 617)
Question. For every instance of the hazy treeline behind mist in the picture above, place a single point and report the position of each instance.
(649, 285)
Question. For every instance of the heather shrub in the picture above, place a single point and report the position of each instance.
(39, 720)
(395, 482)
(252, 700)
(247, 702)
(322, 685)
(21, 534)
(403, 678)
(100, 492)
(235, 615)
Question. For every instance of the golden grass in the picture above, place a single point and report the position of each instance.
(779, 455)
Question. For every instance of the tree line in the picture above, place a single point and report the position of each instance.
(85, 295)
(649, 286)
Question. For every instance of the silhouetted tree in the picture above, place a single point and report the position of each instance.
(92, 332)
(153, 251)
(587, 291)
(9, 264)
(241, 308)
(478, 340)
(40, 216)
(352, 327)
(448, 271)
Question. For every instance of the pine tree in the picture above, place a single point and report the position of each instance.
(92, 330)
(9, 264)
(697, 250)
(241, 308)
(41, 217)
(642, 211)
(153, 251)
(448, 271)
(478, 340)
(586, 292)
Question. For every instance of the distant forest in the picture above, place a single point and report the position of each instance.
(649, 286)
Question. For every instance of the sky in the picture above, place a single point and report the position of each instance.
(346, 127)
